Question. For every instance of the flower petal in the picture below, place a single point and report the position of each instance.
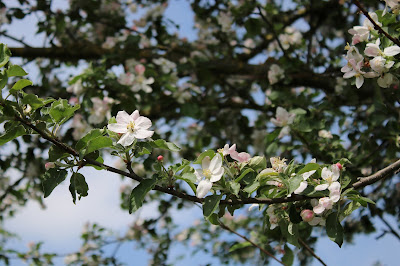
(321, 187)
(392, 50)
(143, 122)
(117, 128)
(143, 133)
(203, 188)
(215, 163)
(135, 115)
(301, 188)
(205, 163)
(216, 175)
(126, 139)
(123, 117)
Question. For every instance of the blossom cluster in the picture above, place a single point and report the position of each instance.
(376, 59)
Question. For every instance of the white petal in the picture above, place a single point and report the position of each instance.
(306, 175)
(321, 187)
(301, 188)
(143, 122)
(335, 186)
(392, 50)
(205, 163)
(359, 81)
(199, 175)
(203, 188)
(117, 128)
(126, 139)
(216, 176)
(335, 196)
(143, 134)
(318, 209)
(123, 117)
(135, 115)
(215, 163)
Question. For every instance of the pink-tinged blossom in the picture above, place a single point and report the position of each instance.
(226, 150)
(353, 69)
(100, 110)
(386, 80)
(142, 83)
(211, 172)
(132, 127)
(361, 33)
(140, 69)
(283, 119)
(307, 215)
(273, 219)
(324, 203)
(241, 157)
(49, 165)
(126, 79)
(278, 164)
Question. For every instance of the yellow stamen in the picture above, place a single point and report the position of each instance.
(131, 126)
(207, 173)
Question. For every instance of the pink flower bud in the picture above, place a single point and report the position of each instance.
(140, 69)
(160, 158)
(339, 166)
(307, 215)
(49, 165)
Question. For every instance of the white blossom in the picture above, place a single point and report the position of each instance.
(275, 74)
(283, 119)
(131, 126)
(211, 172)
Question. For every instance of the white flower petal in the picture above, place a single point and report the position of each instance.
(117, 128)
(306, 175)
(135, 115)
(215, 163)
(205, 163)
(203, 188)
(126, 139)
(216, 176)
(392, 50)
(142, 122)
(318, 209)
(321, 187)
(123, 117)
(301, 188)
(143, 134)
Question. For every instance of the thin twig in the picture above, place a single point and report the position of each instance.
(266, 252)
(376, 26)
(273, 32)
(312, 252)
(391, 230)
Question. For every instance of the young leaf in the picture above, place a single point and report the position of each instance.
(16, 71)
(209, 153)
(78, 184)
(60, 111)
(210, 204)
(52, 178)
(309, 167)
(139, 192)
(288, 258)
(239, 246)
(19, 85)
(258, 163)
(162, 144)
(4, 54)
(12, 133)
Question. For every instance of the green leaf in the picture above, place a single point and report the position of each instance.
(213, 219)
(34, 101)
(209, 153)
(309, 167)
(251, 188)
(20, 84)
(298, 111)
(3, 80)
(240, 246)
(210, 204)
(60, 111)
(334, 229)
(288, 258)
(348, 209)
(235, 187)
(92, 134)
(162, 144)
(52, 178)
(258, 163)
(56, 153)
(190, 177)
(16, 71)
(139, 192)
(98, 143)
(248, 170)
(78, 185)
(4, 54)
(12, 133)
(294, 183)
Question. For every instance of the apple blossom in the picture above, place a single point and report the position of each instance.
(142, 83)
(330, 176)
(324, 203)
(126, 79)
(166, 65)
(283, 119)
(307, 215)
(226, 150)
(325, 134)
(211, 172)
(225, 20)
(76, 88)
(303, 184)
(278, 164)
(275, 74)
(49, 165)
(131, 126)
(361, 33)
(100, 110)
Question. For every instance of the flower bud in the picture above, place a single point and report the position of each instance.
(339, 165)
(307, 215)
(160, 158)
(49, 165)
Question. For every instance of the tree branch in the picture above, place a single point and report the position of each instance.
(311, 251)
(376, 26)
(266, 252)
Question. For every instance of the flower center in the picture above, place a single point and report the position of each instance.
(131, 126)
(207, 173)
